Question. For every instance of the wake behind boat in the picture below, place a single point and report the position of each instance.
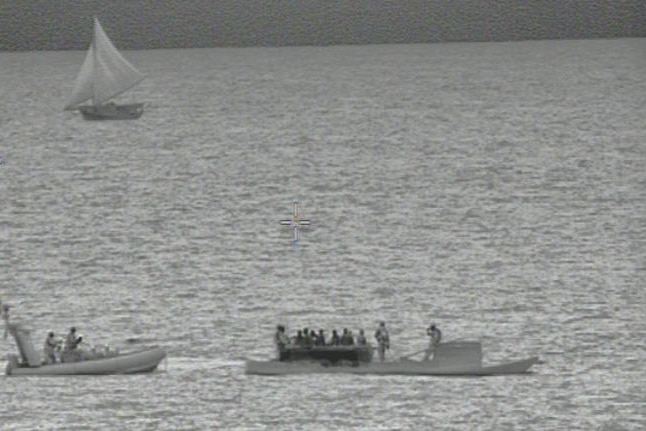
(30, 363)
(105, 74)
(457, 358)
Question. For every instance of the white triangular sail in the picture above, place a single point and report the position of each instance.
(84, 87)
(105, 73)
(113, 74)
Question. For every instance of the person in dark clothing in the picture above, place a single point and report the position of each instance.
(334, 340)
(361, 338)
(307, 340)
(320, 339)
(299, 340)
(346, 338)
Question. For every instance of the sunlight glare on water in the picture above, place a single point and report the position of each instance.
(496, 189)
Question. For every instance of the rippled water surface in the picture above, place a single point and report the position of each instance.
(498, 190)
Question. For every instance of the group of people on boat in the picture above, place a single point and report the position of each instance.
(57, 349)
(68, 349)
(309, 338)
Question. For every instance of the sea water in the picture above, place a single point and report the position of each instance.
(495, 189)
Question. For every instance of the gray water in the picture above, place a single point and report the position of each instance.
(496, 189)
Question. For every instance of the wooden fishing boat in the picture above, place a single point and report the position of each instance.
(447, 359)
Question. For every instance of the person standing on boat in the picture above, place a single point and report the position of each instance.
(51, 343)
(383, 340)
(361, 339)
(5, 318)
(72, 341)
(436, 336)
(281, 339)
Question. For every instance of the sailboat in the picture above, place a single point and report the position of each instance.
(105, 74)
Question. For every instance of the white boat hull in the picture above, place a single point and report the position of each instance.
(127, 363)
(401, 367)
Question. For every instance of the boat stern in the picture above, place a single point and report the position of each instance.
(12, 363)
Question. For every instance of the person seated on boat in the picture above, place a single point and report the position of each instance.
(51, 345)
(383, 340)
(307, 339)
(361, 339)
(436, 336)
(346, 338)
(320, 339)
(335, 340)
(299, 340)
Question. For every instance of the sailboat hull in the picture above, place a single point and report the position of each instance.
(112, 111)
